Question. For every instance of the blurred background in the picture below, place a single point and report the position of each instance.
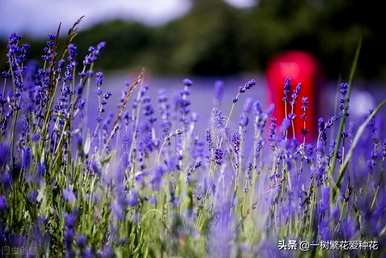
(216, 37)
(212, 39)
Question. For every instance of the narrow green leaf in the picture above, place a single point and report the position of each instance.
(342, 122)
(357, 136)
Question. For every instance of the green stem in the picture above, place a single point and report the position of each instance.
(345, 110)
(357, 136)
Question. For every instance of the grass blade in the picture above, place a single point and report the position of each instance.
(342, 122)
(357, 136)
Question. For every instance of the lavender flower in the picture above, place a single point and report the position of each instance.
(32, 197)
(218, 156)
(348, 228)
(286, 90)
(70, 219)
(99, 78)
(198, 149)
(106, 252)
(72, 189)
(93, 53)
(187, 82)
(69, 195)
(133, 199)
(95, 167)
(295, 93)
(325, 201)
(303, 116)
(165, 113)
(6, 179)
(25, 157)
(4, 154)
(218, 92)
(81, 241)
(183, 103)
(248, 85)
(3, 203)
(343, 90)
(236, 142)
(272, 131)
(148, 109)
(244, 115)
(48, 51)
(222, 228)
(322, 130)
(157, 177)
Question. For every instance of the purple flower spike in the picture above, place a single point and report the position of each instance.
(348, 228)
(81, 241)
(157, 177)
(248, 85)
(285, 125)
(93, 53)
(35, 137)
(133, 198)
(218, 156)
(106, 252)
(3, 203)
(4, 154)
(236, 142)
(218, 91)
(99, 78)
(25, 157)
(32, 196)
(325, 202)
(101, 45)
(304, 108)
(243, 120)
(72, 50)
(247, 105)
(69, 195)
(187, 82)
(286, 90)
(70, 219)
(6, 179)
(295, 93)
(343, 90)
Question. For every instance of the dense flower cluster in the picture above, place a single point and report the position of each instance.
(145, 182)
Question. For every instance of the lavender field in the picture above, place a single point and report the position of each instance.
(131, 170)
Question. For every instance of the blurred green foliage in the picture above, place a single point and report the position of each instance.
(215, 38)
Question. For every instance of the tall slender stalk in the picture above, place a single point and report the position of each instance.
(355, 142)
(343, 119)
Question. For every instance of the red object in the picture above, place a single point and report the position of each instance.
(300, 67)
